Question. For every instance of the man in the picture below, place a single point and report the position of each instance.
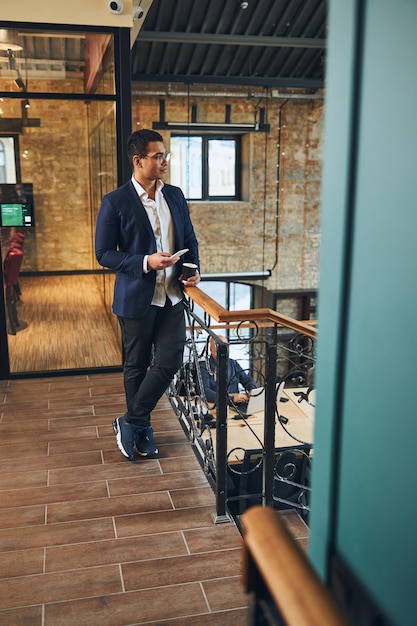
(140, 226)
(237, 379)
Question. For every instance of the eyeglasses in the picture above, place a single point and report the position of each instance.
(159, 157)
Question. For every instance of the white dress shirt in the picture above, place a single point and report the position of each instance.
(161, 221)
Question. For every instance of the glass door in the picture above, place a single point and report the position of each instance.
(57, 160)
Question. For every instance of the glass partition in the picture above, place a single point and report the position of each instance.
(58, 146)
(57, 61)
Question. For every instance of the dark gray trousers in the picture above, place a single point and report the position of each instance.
(153, 352)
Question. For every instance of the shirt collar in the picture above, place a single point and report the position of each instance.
(141, 191)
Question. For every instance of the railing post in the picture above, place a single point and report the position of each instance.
(221, 515)
(269, 422)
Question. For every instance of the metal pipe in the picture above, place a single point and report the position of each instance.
(224, 94)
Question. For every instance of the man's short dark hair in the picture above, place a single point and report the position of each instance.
(138, 141)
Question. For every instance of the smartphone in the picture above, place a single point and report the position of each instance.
(180, 252)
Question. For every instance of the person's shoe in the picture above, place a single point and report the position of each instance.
(125, 437)
(145, 443)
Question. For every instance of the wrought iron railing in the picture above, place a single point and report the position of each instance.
(273, 348)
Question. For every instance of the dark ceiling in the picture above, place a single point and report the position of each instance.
(271, 43)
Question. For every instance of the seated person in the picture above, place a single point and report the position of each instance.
(236, 376)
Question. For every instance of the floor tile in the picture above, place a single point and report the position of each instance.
(114, 551)
(58, 586)
(88, 538)
(24, 616)
(19, 452)
(21, 479)
(56, 461)
(44, 495)
(55, 534)
(102, 422)
(122, 470)
(234, 617)
(181, 569)
(192, 497)
(22, 516)
(223, 536)
(24, 417)
(294, 524)
(21, 564)
(147, 606)
(144, 484)
(131, 525)
(108, 507)
(179, 464)
(175, 450)
(32, 427)
(225, 593)
(72, 444)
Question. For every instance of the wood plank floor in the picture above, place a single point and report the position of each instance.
(88, 538)
(63, 325)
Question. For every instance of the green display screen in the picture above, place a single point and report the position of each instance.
(16, 205)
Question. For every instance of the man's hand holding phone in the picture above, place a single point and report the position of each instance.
(179, 253)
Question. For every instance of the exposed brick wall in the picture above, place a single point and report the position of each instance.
(54, 157)
(275, 227)
(278, 226)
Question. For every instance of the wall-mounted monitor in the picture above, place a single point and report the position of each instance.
(16, 205)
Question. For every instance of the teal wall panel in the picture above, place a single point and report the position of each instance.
(334, 249)
(377, 494)
(364, 496)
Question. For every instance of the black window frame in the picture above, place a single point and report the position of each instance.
(205, 140)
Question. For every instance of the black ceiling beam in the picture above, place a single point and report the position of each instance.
(230, 40)
(18, 124)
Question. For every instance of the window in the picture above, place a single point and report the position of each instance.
(7, 160)
(206, 166)
(2, 163)
(234, 297)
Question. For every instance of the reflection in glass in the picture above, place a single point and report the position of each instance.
(186, 165)
(67, 148)
(222, 167)
(234, 297)
(7, 160)
(59, 61)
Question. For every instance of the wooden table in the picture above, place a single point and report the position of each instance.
(248, 434)
(306, 407)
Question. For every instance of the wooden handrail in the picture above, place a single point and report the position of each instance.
(295, 588)
(220, 314)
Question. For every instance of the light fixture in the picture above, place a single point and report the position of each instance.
(19, 83)
(244, 5)
(225, 276)
(8, 40)
(12, 60)
(26, 104)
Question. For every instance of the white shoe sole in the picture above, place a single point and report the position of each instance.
(119, 439)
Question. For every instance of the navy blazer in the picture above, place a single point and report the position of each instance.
(124, 236)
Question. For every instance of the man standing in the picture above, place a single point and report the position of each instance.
(140, 226)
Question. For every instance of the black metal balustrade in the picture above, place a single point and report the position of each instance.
(276, 348)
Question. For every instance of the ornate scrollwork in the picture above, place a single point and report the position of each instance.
(295, 365)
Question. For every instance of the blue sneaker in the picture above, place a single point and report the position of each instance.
(125, 437)
(145, 443)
